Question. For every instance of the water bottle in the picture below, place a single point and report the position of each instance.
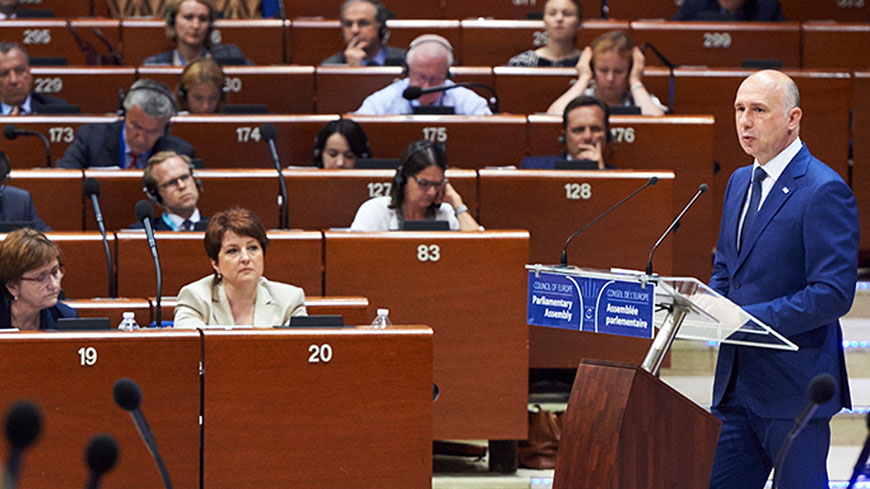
(383, 319)
(129, 322)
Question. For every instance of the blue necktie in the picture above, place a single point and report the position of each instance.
(754, 199)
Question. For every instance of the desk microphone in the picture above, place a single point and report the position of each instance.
(268, 132)
(820, 391)
(413, 93)
(670, 66)
(91, 188)
(23, 424)
(11, 132)
(649, 265)
(100, 455)
(144, 214)
(861, 464)
(563, 261)
(128, 396)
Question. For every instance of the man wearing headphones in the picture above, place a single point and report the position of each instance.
(128, 143)
(168, 181)
(16, 84)
(585, 131)
(365, 34)
(428, 63)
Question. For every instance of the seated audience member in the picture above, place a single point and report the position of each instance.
(428, 61)
(201, 88)
(611, 70)
(168, 181)
(16, 205)
(237, 293)
(8, 9)
(364, 31)
(339, 144)
(725, 10)
(16, 84)
(420, 191)
(188, 25)
(128, 143)
(561, 22)
(585, 129)
(31, 269)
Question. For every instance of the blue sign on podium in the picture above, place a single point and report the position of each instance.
(600, 304)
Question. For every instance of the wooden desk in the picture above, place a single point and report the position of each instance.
(93, 89)
(292, 257)
(255, 85)
(52, 37)
(470, 288)
(84, 257)
(62, 8)
(725, 44)
(76, 402)
(841, 46)
(630, 10)
(507, 9)
(57, 196)
(354, 309)
(114, 309)
(324, 408)
(468, 139)
(840, 11)
(861, 152)
(404, 9)
(29, 151)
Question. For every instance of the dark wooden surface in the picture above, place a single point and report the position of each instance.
(564, 349)
(829, 45)
(57, 195)
(861, 153)
(52, 38)
(76, 403)
(114, 309)
(94, 89)
(29, 152)
(273, 419)
(84, 257)
(473, 297)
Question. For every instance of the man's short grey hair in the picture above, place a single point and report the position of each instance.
(5, 47)
(791, 96)
(153, 97)
(430, 46)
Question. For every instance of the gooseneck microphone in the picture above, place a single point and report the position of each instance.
(413, 93)
(144, 214)
(23, 424)
(861, 464)
(670, 66)
(821, 389)
(11, 132)
(649, 264)
(91, 188)
(268, 132)
(563, 261)
(128, 396)
(100, 455)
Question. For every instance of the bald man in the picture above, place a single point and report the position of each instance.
(787, 253)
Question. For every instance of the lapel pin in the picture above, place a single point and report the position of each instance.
(785, 190)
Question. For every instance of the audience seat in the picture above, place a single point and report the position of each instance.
(836, 10)
(94, 89)
(61, 8)
(633, 10)
(57, 196)
(403, 9)
(52, 37)
(503, 9)
(29, 152)
(829, 45)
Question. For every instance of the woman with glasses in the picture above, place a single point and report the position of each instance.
(420, 191)
(31, 270)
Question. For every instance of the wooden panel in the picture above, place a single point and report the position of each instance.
(52, 38)
(861, 153)
(474, 292)
(564, 349)
(829, 45)
(725, 44)
(403, 9)
(347, 190)
(61, 8)
(255, 85)
(29, 151)
(114, 309)
(57, 196)
(632, 10)
(292, 257)
(354, 309)
(509, 9)
(680, 144)
(342, 89)
(837, 10)
(94, 89)
(368, 410)
(494, 42)
(466, 138)
(76, 403)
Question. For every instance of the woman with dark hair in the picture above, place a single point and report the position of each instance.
(188, 25)
(200, 88)
(611, 70)
(561, 22)
(339, 144)
(31, 270)
(237, 293)
(420, 191)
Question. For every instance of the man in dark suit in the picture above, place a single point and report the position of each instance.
(725, 10)
(585, 130)
(16, 84)
(787, 253)
(129, 143)
(168, 181)
(364, 31)
(16, 205)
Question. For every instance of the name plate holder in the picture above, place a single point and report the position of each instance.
(630, 303)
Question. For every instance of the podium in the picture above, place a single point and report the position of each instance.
(625, 428)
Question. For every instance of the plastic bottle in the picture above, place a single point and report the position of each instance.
(129, 322)
(383, 319)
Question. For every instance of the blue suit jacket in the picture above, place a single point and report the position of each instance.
(752, 10)
(796, 272)
(17, 205)
(100, 145)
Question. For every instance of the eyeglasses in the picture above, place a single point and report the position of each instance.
(426, 184)
(42, 279)
(175, 181)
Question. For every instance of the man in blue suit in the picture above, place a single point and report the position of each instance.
(787, 253)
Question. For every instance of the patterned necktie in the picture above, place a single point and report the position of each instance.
(754, 199)
(187, 225)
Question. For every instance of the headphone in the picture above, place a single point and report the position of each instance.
(184, 89)
(422, 146)
(333, 127)
(172, 11)
(586, 101)
(149, 183)
(424, 39)
(145, 84)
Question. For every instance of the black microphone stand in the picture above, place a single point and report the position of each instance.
(670, 66)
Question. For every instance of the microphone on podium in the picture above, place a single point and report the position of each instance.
(11, 132)
(128, 396)
(649, 265)
(100, 456)
(144, 214)
(23, 424)
(91, 188)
